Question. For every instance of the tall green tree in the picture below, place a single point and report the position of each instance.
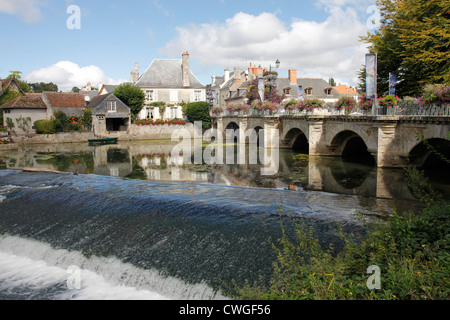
(39, 87)
(413, 40)
(132, 96)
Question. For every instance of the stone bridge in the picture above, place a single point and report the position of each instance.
(393, 141)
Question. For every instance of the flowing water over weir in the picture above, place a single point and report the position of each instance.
(141, 239)
(91, 236)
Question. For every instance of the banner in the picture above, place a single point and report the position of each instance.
(300, 92)
(261, 87)
(371, 75)
(392, 82)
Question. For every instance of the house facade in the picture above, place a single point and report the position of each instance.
(170, 82)
(232, 88)
(41, 106)
(109, 114)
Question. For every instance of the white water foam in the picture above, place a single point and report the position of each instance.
(6, 189)
(35, 265)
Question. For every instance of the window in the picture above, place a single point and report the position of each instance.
(328, 91)
(308, 91)
(287, 91)
(112, 106)
(7, 111)
(198, 95)
(149, 95)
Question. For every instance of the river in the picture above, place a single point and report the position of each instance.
(137, 222)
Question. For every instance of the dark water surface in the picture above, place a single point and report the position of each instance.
(138, 223)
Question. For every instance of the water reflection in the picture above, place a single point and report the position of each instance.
(155, 161)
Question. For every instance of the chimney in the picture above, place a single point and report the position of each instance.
(135, 73)
(227, 75)
(293, 76)
(185, 69)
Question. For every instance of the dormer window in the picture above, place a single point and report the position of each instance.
(328, 91)
(112, 107)
(287, 91)
(308, 91)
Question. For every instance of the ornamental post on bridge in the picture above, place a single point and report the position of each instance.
(271, 134)
(385, 155)
(316, 132)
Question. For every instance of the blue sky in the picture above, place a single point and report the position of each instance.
(318, 38)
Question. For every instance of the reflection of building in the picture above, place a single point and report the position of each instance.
(109, 114)
(112, 160)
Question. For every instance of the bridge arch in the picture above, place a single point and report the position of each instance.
(231, 132)
(352, 147)
(431, 153)
(297, 140)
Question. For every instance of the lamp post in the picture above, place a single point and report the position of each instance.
(277, 65)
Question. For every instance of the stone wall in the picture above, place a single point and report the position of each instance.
(135, 132)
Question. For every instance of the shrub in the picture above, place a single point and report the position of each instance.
(45, 126)
(438, 95)
(411, 250)
(199, 111)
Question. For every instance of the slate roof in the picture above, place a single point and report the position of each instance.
(318, 85)
(166, 74)
(99, 105)
(28, 101)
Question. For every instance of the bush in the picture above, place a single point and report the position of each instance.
(45, 126)
(60, 119)
(199, 111)
(412, 251)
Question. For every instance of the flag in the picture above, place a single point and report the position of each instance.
(261, 87)
(392, 82)
(371, 75)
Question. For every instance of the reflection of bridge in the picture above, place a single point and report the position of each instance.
(157, 162)
(389, 139)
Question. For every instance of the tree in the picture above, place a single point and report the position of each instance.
(413, 40)
(86, 119)
(270, 89)
(132, 96)
(332, 82)
(40, 87)
(15, 74)
(199, 111)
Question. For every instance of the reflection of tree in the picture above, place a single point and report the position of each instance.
(63, 161)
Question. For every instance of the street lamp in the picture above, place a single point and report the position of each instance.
(277, 65)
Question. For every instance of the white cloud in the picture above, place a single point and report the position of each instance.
(316, 49)
(67, 75)
(29, 10)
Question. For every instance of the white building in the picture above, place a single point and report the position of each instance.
(170, 82)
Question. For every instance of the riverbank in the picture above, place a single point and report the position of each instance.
(134, 133)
